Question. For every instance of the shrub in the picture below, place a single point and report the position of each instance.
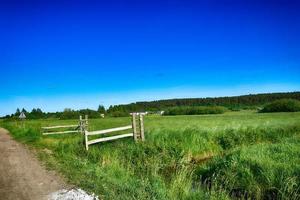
(195, 110)
(282, 105)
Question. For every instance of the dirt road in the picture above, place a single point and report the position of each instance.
(21, 174)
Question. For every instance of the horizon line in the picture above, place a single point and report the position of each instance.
(162, 99)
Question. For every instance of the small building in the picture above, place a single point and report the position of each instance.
(22, 116)
(102, 115)
(139, 113)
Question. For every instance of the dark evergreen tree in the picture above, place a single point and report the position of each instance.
(101, 109)
(17, 113)
(24, 111)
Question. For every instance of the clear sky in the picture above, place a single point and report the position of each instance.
(79, 54)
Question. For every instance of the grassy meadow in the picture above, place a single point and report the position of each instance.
(244, 155)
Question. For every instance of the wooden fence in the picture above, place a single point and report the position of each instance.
(137, 131)
(80, 127)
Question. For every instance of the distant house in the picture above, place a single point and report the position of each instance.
(22, 116)
(149, 113)
(102, 115)
(140, 113)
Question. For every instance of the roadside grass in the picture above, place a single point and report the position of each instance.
(260, 171)
(232, 155)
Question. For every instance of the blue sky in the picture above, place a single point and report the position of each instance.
(79, 54)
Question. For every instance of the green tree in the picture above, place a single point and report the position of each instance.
(101, 109)
(36, 114)
(17, 112)
(24, 111)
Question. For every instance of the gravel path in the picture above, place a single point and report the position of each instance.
(21, 174)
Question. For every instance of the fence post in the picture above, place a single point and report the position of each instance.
(80, 124)
(142, 127)
(134, 126)
(86, 140)
(86, 122)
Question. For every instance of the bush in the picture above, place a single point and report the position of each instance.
(282, 105)
(195, 110)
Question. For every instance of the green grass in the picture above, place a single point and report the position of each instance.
(233, 155)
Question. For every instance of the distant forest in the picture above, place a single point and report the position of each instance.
(233, 103)
(68, 113)
(251, 101)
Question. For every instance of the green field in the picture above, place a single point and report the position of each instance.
(242, 154)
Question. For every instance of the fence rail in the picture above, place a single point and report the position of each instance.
(63, 126)
(110, 138)
(60, 132)
(110, 130)
(136, 135)
(80, 127)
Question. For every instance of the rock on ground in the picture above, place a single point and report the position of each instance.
(73, 194)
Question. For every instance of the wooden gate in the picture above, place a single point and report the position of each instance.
(137, 126)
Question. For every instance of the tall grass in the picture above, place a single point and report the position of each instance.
(260, 171)
(240, 154)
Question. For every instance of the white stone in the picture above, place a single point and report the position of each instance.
(73, 194)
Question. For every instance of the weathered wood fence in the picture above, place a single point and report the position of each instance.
(78, 128)
(137, 126)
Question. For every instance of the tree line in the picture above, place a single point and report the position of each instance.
(37, 113)
(251, 101)
(233, 103)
